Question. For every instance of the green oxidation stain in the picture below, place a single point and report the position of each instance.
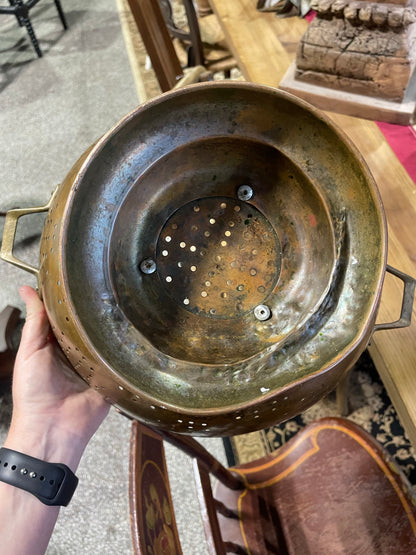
(246, 222)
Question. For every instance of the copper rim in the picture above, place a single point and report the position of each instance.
(208, 366)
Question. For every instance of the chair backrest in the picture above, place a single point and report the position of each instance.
(155, 35)
(330, 489)
(151, 509)
(155, 23)
(192, 36)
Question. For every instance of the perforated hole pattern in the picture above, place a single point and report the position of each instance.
(218, 257)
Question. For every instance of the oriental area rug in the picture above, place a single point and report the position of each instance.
(368, 402)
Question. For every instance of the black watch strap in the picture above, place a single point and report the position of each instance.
(51, 483)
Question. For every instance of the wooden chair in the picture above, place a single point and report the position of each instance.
(10, 328)
(21, 9)
(330, 489)
(203, 8)
(160, 35)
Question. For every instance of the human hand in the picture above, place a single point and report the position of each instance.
(54, 412)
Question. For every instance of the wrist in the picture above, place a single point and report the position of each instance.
(46, 442)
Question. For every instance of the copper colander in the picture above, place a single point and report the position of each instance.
(214, 263)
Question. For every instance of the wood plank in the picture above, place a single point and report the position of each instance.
(265, 46)
(352, 104)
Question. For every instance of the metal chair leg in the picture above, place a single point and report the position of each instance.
(18, 11)
(61, 13)
(21, 11)
(32, 36)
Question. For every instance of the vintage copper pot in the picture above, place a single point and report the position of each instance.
(214, 263)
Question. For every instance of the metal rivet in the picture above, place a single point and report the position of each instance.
(148, 266)
(24, 471)
(262, 312)
(33, 474)
(244, 192)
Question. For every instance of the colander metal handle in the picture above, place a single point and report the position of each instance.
(407, 302)
(9, 234)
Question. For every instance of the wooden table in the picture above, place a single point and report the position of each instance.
(264, 47)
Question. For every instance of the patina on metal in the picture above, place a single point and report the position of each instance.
(214, 263)
(218, 257)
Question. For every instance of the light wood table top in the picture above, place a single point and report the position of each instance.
(264, 47)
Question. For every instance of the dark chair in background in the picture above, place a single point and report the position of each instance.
(148, 17)
(160, 35)
(331, 489)
(21, 9)
(198, 40)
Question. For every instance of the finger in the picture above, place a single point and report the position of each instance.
(36, 328)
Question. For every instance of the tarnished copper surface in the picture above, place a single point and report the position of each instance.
(290, 229)
(313, 252)
(218, 257)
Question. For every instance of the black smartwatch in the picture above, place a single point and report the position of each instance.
(53, 484)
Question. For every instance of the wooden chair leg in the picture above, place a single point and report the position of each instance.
(9, 320)
(342, 394)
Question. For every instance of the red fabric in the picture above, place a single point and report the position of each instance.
(402, 140)
(310, 15)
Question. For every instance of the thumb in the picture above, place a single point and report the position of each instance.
(36, 328)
